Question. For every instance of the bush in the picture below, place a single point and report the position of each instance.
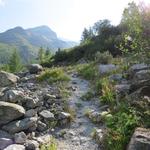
(53, 75)
(88, 71)
(120, 128)
(103, 58)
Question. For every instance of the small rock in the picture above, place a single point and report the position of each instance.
(41, 126)
(4, 142)
(20, 138)
(7, 79)
(47, 115)
(32, 103)
(15, 147)
(32, 145)
(31, 113)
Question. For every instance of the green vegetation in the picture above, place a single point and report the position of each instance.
(120, 127)
(14, 63)
(88, 71)
(53, 75)
(50, 146)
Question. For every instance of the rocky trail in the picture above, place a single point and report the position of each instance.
(78, 135)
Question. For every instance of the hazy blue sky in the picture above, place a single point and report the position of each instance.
(66, 17)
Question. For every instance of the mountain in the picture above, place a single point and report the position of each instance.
(28, 42)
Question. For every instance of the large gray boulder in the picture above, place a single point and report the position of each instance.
(21, 125)
(10, 112)
(136, 68)
(105, 69)
(7, 79)
(140, 140)
(15, 147)
(141, 75)
(35, 68)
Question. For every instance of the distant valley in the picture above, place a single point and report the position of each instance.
(28, 42)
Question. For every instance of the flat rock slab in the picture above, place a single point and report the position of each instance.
(10, 112)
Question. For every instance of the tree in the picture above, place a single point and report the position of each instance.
(87, 34)
(100, 26)
(41, 55)
(132, 27)
(15, 64)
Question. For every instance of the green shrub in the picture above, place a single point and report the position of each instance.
(103, 58)
(88, 71)
(120, 128)
(54, 75)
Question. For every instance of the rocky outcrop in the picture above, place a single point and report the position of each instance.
(140, 140)
(27, 110)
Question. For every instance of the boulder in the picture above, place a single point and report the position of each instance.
(15, 147)
(47, 115)
(4, 142)
(20, 138)
(122, 89)
(116, 77)
(32, 145)
(139, 94)
(4, 134)
(137, 67)
(35, 68)
(10, 112)
(142, 75)
(140, 140)
(138, 84)
(7, 79)
(105, 69)
(13, 96)
(21, 125)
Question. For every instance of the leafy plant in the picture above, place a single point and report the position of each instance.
(120, 127)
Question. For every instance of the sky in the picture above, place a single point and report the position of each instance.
(67, 18)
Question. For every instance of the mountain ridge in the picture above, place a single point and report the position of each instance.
(28, 41)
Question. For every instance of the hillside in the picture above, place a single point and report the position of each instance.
(28, 41)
